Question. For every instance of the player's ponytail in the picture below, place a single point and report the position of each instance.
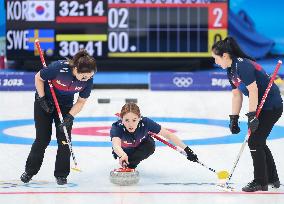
(236, 51)
(84, 62)
(230, 46)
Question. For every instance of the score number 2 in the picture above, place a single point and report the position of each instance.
(218, 16)
(218, 12)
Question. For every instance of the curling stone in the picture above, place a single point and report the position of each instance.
(124, 176)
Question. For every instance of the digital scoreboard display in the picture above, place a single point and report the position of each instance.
(114, 28)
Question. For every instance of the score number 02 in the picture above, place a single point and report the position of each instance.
(117, 20)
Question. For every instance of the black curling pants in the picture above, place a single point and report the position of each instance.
(141, 152)
(264, 166)
(43, 125)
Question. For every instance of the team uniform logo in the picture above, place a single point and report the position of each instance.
(64, 70)
(59, 83)
(236, 81)
(78, 88)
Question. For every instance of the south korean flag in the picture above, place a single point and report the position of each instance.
(41, 10)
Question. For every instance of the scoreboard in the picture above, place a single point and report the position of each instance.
(110, 29)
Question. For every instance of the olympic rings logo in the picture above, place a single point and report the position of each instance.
(182, 81)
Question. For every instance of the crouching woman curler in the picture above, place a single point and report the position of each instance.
(131, 142)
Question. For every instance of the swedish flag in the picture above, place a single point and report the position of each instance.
(46, 38)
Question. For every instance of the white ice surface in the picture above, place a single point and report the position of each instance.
(166, 177)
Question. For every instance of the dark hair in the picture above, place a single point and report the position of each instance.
(230, 46)
(84, 62)
(130, 108)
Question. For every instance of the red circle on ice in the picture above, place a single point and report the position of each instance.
(97, 131)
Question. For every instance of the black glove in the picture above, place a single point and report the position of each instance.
(252, 121)
(234, 124)
(67, 122)
(190, 154)
(46, 105)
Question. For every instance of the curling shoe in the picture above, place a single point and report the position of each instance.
(25, 177)
(61, 180)
(254, 186)
(275, 184)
